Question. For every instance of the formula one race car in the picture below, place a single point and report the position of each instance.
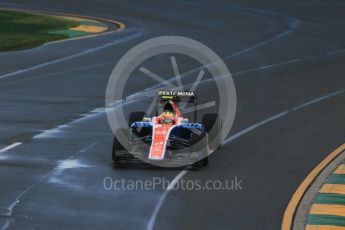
(167, 139)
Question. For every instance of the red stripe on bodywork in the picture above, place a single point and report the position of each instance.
(160, 137)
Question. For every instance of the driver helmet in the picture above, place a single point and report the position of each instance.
(167, 117)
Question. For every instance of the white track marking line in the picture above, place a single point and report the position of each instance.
(57, 168)
(250, 128)
(171, 185)
(269, 66)
(286, 112)
(163, 198)
(10, 147)
(57, 73)
(85, 52)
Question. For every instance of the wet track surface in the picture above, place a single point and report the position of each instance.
(287, 61)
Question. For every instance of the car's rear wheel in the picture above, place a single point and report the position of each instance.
(199, 143)
(213, 126)
(136, 116)
(117, 147)
(119, 159)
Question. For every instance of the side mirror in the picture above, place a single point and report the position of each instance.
(184, 120)
(147, 119)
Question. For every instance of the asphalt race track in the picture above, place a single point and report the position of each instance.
(287, 60)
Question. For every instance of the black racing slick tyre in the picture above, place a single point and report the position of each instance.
(135, 116)
(199, 143)
(213, 126)
(117, 147)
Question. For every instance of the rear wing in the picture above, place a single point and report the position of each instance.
(176, 96)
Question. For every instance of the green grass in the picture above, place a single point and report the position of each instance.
(25, 30)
